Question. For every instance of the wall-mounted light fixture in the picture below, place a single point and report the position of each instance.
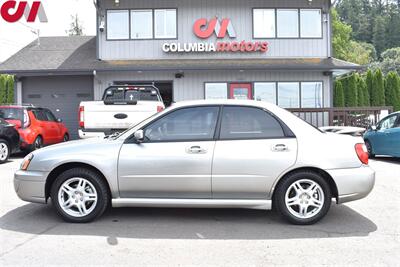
(116, 2)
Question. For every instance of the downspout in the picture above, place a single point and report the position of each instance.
(96, 5)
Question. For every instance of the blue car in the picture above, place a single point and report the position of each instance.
(384, 139)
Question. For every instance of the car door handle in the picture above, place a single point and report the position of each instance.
(280, 148)
(196, 150)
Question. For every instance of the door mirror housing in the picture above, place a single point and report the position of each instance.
(139, 135)
(373, 128)
(59, 120)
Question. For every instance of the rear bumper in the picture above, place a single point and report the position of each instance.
(354, 183)
(30, 185)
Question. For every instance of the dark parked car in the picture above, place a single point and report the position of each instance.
(9, 140)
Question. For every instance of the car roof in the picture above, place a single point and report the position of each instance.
(253, 103)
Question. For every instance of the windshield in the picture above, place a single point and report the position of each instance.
(11, 113)
(131, 94)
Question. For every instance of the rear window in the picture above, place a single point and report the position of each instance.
(131, 94)
(11, 113)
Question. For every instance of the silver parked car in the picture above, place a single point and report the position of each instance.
(214, 154)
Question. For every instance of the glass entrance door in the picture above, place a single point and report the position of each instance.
(240, 91)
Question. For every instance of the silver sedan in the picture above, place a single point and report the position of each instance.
(213, 154)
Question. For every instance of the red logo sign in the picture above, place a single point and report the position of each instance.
(12, 11)
(204, 29)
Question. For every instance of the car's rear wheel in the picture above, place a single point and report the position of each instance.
(80, 195)
(38, 143)
(4, 151)
(303, 197)
(369, 149)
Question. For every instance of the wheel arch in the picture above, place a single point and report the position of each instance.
(324, 174)
(67, 166)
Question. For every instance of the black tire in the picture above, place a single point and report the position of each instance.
(369, 148)
(7, 151)
(38, 143)
(283, 187)
(66, 138)
(103, 196)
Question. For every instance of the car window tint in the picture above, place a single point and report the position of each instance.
(11, 113)
(397, 124)
(50, 116)
(388, 123)
(249, 123)
(196, 123)
(39, 115)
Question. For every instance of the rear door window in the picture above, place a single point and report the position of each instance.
(39, 114)
(249, 123)
(49, 115)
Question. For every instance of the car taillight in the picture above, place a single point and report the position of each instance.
(362, 153)
(27, 121)
(81, 117)
(160, 108)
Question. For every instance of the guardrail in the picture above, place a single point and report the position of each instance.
(357, 117)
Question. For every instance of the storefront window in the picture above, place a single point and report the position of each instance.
(165, 23)
(264, 23)
(216, 91)
(265, 92)
(289, 95)
(288, 23)
(311, 95)
(117, 24)
(141, 24)
(311, 24)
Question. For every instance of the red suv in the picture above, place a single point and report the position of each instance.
(37, 127)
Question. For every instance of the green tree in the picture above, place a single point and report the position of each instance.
(369, 82)
(378, 90)
(338, 98)
(363, 85)
(347, 49)
(360, 91)
(3, 89)
(379, 34)
(350, 91)
(393, 27)
(10, 89)
(392, 91)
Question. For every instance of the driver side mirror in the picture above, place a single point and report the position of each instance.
(139, 135)
(373, 128)
(59, 120)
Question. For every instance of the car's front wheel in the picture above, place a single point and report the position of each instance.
(80, 195)
(303, 197)
(4, 151)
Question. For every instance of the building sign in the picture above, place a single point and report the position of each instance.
(204, 29)
(12, 11)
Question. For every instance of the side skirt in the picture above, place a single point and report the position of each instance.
(192, 203)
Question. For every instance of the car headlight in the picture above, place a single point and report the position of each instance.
(25, 163)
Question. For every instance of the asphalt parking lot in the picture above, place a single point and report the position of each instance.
(362, 233)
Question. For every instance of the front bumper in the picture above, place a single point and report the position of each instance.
(353, 183)
(30, 185)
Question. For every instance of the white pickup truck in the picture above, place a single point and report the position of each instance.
(121, 108)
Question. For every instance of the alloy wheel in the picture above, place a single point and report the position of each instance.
(4, 151)
(77, 197)
(304, 198)
(38, 143)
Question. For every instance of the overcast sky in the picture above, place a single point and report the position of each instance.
(14, 36)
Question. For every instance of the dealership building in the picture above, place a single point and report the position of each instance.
(278, 51)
